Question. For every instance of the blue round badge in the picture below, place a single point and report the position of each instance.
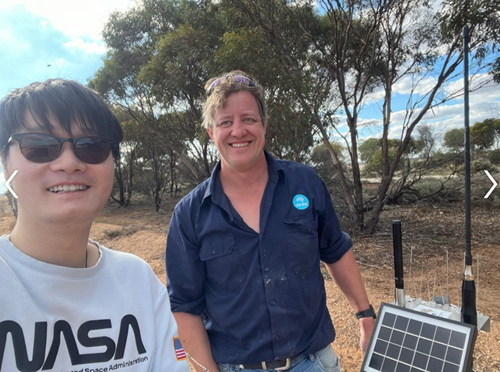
(300, 201)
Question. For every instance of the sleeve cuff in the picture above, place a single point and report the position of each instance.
(335, 252)
(195, 307)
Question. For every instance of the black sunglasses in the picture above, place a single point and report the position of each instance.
(43, 148)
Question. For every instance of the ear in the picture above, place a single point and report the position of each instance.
(210, 134)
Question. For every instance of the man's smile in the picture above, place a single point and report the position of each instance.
(68, 188)
(240, 144)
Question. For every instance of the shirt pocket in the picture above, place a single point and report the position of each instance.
(302, 237)
(222, 262)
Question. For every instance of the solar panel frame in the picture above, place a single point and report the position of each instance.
(434, 344)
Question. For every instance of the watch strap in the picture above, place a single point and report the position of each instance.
(368, 313)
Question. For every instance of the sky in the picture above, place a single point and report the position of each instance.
(61, 38)
(51, 39)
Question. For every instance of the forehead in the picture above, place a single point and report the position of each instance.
(31, 124)
(237, 103)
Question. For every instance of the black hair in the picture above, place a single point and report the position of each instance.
(63, 101)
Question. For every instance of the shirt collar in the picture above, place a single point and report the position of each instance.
(214, 189)
(210, 190)
(274, 167)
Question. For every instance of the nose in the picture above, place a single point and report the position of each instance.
(238, 128)
(67, 160)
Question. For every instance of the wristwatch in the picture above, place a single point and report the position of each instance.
(368, 313)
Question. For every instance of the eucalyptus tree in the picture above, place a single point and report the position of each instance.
(128, 78)
(484, 134)
(161, 52)
(290, 133)
(124, 166)
(366, 48)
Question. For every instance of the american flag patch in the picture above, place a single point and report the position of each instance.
(180, 354)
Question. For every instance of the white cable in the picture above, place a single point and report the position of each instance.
(194, 360)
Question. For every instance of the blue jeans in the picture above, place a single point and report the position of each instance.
(324, 360)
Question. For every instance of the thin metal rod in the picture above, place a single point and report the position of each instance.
(447, 275)
(421, 280)
(469, 311)
(477, 277)
(428, 289)
(468, 254)
(412, 276)
(434, 286)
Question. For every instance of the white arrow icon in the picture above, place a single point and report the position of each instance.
(492, 187)
(7, 184)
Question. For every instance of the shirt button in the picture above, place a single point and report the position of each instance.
(213, 251)
(273, 303)
(309, 229)
(276, 337)
(266, 269)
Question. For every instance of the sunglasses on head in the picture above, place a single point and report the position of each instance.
(43, 148)
(242, 79)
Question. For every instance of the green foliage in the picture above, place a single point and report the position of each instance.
(289, 133)
(320, 153)
(161, 53)
(440, 159)
(480, 166)
(314, 67)
(482, 134)
(482, 18)
(494, 156)
(322, 163)
(454, 139)
(374, 164)
(371, 153)
(495, 70)
(480, 15)
(426, 141)
(368, 149)
(433, 190)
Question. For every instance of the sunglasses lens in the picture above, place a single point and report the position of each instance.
(243, 80)
(39, 148)
(237, 78)
(92, 150)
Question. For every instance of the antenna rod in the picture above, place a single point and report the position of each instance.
(468, 254)
(469, 311)
(397, 242)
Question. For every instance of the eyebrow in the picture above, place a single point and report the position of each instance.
(244, 113)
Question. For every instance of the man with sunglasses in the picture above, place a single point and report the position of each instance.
(244, 249)
(68, 303)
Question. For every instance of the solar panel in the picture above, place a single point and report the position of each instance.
(405, 340)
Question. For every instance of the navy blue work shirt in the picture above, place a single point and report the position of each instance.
(261, 296)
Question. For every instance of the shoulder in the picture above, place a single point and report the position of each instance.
(297, 167)
(297, 172)
(123, 261)
(194, 198)
(122, 257)
(125, 271)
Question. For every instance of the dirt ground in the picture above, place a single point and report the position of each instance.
(430, 234)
